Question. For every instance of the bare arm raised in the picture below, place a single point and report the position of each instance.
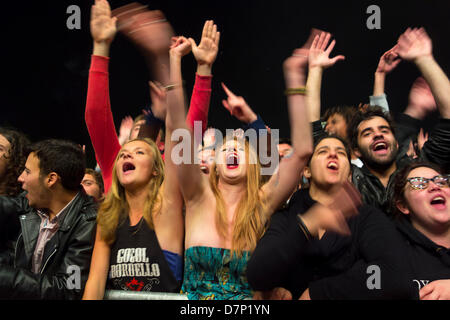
(415, 45)
(281, 184)
(192, 181)
(318, 60)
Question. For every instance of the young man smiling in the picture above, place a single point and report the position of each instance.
(54, 222)
(372, 133)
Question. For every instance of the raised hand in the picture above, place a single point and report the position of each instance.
(159, 100)
(125, 129)
(413, 44)
(388, 61)
(319, 54)
(206, 52)
(103, 25)
(238, 107)
(180, 47)
(148, 29)
(421, 100)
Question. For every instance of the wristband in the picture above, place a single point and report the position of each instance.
(291, 91)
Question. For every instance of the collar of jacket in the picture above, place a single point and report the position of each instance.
(416, 237)
(30, 223)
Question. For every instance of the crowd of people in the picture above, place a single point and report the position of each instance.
(354, 190)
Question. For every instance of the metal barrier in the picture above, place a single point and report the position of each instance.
(136, 295)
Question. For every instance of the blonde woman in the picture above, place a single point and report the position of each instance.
(226, 212)
(140, 225)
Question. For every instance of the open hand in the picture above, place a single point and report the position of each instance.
(148, 29)
(103, 26)
(413, 44)
(206, 51)
(421, 100)
(319, 54)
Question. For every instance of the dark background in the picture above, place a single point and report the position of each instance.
(45, 66)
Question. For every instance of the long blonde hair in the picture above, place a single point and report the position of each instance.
(114, 210)
(249, 224)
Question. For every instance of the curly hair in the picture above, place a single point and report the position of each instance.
(15, 161)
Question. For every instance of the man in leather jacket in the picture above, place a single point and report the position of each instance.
(54, 223)
(371, 132)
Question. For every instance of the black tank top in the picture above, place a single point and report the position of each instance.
(137, 262)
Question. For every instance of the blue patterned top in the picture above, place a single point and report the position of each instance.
(211, 274)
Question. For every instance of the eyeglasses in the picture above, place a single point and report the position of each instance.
(422, 183)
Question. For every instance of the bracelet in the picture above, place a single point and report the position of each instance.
(303, 227)
(291, 91)
(170, 87)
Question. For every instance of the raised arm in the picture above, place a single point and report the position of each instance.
(415, 45)
(205, 54)
(191, 179)
(388, 62)
(170, 222)
(318, 60)
(98, 115)
(281, 185)
(151, 33)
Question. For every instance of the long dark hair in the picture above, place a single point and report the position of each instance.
(15, 161)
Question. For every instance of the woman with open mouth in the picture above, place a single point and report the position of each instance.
(226, 213)
(421, 204)
(140, 224)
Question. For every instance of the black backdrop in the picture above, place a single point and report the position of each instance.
(45, 66)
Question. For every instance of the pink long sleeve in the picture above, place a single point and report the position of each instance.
(99, 118)
(200, 100)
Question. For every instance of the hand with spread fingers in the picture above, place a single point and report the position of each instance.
(148, 29)
(319, 53)
(413, 44)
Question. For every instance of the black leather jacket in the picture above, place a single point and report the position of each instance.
(66, 258)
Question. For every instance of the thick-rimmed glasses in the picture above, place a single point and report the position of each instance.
(420, 183)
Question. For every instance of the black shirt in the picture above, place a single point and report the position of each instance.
(137, 262)
(336, 266)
